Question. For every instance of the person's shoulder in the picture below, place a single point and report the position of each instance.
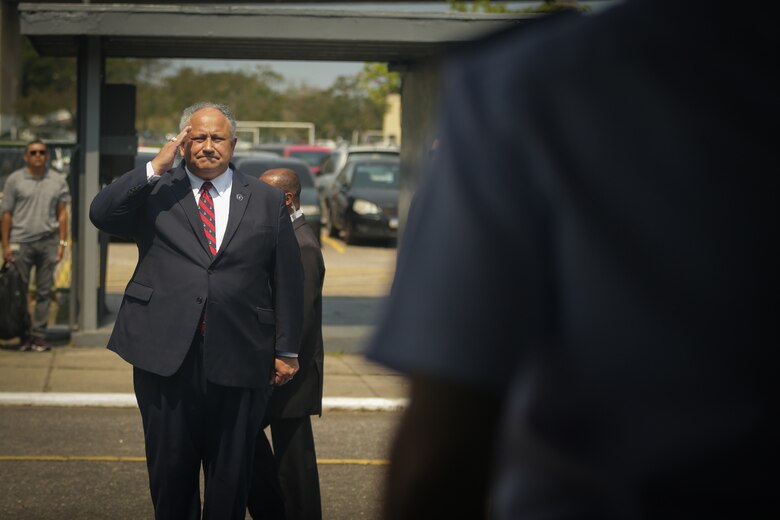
(15, 175)
(547, 46)
(528, 32)
(12, 180)
(306, 238)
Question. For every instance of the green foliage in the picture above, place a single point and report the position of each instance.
(131, 70)
(350, 108)
(479, 6)
(377, 81)
(487, 6)
(47, 84)
(551, 6)
(258, 93)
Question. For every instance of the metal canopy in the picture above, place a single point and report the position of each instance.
(251, 31)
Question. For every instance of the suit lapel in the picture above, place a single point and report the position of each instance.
(239, 201)
(182, 190)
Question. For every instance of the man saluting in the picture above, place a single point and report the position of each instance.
(212, 314)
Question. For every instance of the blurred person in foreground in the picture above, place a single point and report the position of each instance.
(35, 232)
(285, 481)
(211, 315)
(577, 293)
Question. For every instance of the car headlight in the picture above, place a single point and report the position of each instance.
(310, 209)
(364, 207)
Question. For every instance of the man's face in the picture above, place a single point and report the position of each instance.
(35, 155)
(208, 147)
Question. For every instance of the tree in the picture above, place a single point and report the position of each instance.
(351, 107)
(135, 70)
(378, 82)
(250, 95)
(487, 6)
(47, 84)
(355, 102)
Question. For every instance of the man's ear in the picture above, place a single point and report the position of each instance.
(288, 198)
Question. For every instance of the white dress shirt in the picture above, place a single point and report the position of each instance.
(220, 193)
(296, 214)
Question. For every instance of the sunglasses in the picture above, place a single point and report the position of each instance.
(37, 152)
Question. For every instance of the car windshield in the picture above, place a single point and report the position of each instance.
(376, 175)
(373, 155)
(310, 158)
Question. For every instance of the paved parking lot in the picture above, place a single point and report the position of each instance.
(88, 462)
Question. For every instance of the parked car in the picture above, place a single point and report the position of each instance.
(363, 199)
(310, 154)
(254, 164)
(274, 148)
(336, 161)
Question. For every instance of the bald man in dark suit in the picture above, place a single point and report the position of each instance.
(294, 492)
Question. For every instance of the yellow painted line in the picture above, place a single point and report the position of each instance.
(353, 462)
(70, 458)
(87, 458)
(332, 243)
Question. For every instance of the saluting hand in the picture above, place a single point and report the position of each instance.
(164, 160)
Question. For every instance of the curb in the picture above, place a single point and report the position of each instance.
(353, 404)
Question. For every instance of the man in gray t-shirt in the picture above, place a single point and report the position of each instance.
(34, 231)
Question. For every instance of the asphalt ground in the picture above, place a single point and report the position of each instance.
(88, 463)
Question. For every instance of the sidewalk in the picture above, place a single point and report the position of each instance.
(95, 376)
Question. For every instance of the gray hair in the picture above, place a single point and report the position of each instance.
(190, 110)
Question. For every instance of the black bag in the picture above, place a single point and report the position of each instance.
(14, 315)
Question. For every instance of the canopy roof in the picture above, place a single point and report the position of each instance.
(240, 31)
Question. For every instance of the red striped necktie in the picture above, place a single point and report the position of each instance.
(207, 215)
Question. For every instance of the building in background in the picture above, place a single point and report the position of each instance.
(391, 126)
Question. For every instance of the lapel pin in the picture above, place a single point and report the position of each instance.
(239, 196)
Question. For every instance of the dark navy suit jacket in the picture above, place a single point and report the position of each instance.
(251, 290)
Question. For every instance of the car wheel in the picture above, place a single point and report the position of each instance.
(349, 234)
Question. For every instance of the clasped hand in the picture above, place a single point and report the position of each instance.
(284, 369)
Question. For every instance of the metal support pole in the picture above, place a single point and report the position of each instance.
(90, 89)
(10, 67)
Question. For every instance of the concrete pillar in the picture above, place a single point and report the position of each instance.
(391, 124)
(90, 86)
(10, 67)
(420, 99)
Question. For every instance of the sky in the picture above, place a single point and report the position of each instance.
(322, 74)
